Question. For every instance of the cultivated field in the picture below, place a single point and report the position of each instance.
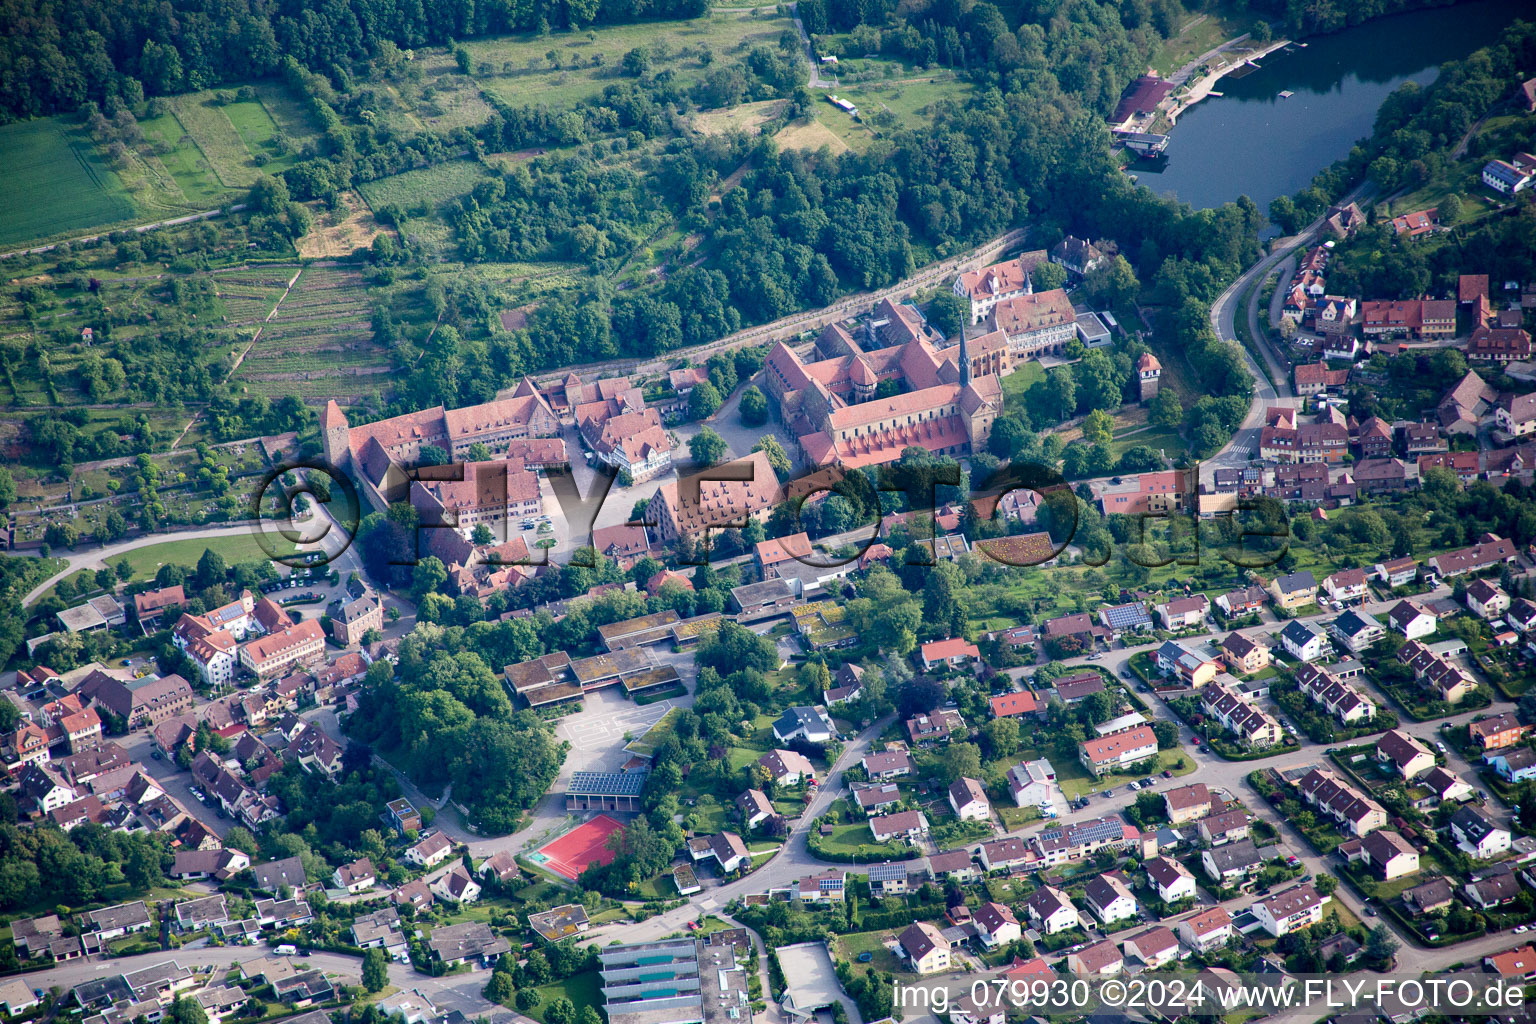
(320, 343)
(564, 69)
(56, 183)
(422, 191)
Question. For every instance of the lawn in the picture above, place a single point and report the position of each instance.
(561, 70)
(1076, 782)
(426, 189)
(584, 989)
(57, 185)
(1021, 380)
(1201, 34)
(873, 943)
(146, 561)
(1164, 439)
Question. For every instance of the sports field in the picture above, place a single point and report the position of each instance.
(55, 184)
(585, 845)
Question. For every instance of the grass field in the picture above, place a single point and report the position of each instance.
(582, 990)
(518, 69)
(146, 561)
(217, 138)
(55, 184)
(1021, 380)
(194, 178)
(1201, 34)
(422, 191)
(259, 134)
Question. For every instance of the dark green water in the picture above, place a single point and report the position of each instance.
(1249, 141)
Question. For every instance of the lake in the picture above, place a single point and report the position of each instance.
(1250, 141)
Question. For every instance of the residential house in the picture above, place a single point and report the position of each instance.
(1477, 835)
(909, 826)
(969, 801)
(1302, 642)
(935, 726)
(922, 945)
(1184, 612)
(725, 848)
(1244, 656)
(1106, 754)
(1232, 863)
(1487, 600)
(888, 765)
(1016, 704)
(996, 925)
(1155, 947)
(754, 807)
(355, 877)
(1205, 930)
(1169, 879)
(1355, 812)
(1294, 590)
(1009, 852)
(1102, 959)
(1389, 855)
(1412, 619)
(1357, 631)
(1193, 669)
(1110, 898)
(1285, 912)
(430, 851)
(1224, 826)
(1187, 803)
(1408, 757)
(1032, 784)
(952, 652)
(1244, 601)
(457, 885)
(808, 723)
(1496, 731)
(1050, 910)
(1346, 585)
(787, 767)
(1514, 764)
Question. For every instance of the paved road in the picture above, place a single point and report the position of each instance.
(96, 558)
(455, 992)
(139, 228)
(1269, 388)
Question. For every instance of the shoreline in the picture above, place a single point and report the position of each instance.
(1204, 87)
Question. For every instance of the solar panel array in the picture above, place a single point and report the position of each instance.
(606, 783)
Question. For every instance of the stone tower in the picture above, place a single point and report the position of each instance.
(336, 437)
(1148, 370)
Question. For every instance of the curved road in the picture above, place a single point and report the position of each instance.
(1269, 388)
(96, 558)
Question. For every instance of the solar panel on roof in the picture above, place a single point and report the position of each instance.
(606, 783)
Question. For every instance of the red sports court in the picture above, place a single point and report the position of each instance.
(571, 854)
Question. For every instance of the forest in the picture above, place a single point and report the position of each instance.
(445, 718)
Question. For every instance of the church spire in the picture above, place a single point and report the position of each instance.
(965, 361)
